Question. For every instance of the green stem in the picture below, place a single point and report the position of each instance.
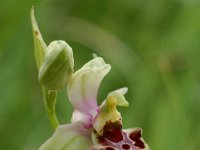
(49, 98)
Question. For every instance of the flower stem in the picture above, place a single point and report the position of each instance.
(49, 98)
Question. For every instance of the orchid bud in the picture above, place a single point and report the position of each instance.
(57, 67)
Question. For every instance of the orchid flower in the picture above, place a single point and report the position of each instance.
(92, 127)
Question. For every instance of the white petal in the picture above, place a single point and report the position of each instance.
(84, 85)
(69, 137)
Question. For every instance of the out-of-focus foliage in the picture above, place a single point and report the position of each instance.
(153, 47)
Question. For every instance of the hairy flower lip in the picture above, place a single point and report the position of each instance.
(129, 141)
(112, 131)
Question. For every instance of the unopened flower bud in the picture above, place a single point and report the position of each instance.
(57, 67)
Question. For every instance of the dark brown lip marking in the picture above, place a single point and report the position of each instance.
(113, 131)
(136, 137)
(115, 138)
(109, 148)
(126, 146)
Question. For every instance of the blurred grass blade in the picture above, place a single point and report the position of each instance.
(105, 43)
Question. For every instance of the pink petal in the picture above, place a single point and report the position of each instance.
(84, 85)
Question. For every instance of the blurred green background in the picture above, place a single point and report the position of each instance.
(153, 47)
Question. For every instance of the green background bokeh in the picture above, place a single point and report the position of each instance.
(153, 47)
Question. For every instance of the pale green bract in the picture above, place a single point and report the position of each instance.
(39, 44)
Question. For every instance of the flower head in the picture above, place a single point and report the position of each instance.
(92, 127)
(100, 126)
